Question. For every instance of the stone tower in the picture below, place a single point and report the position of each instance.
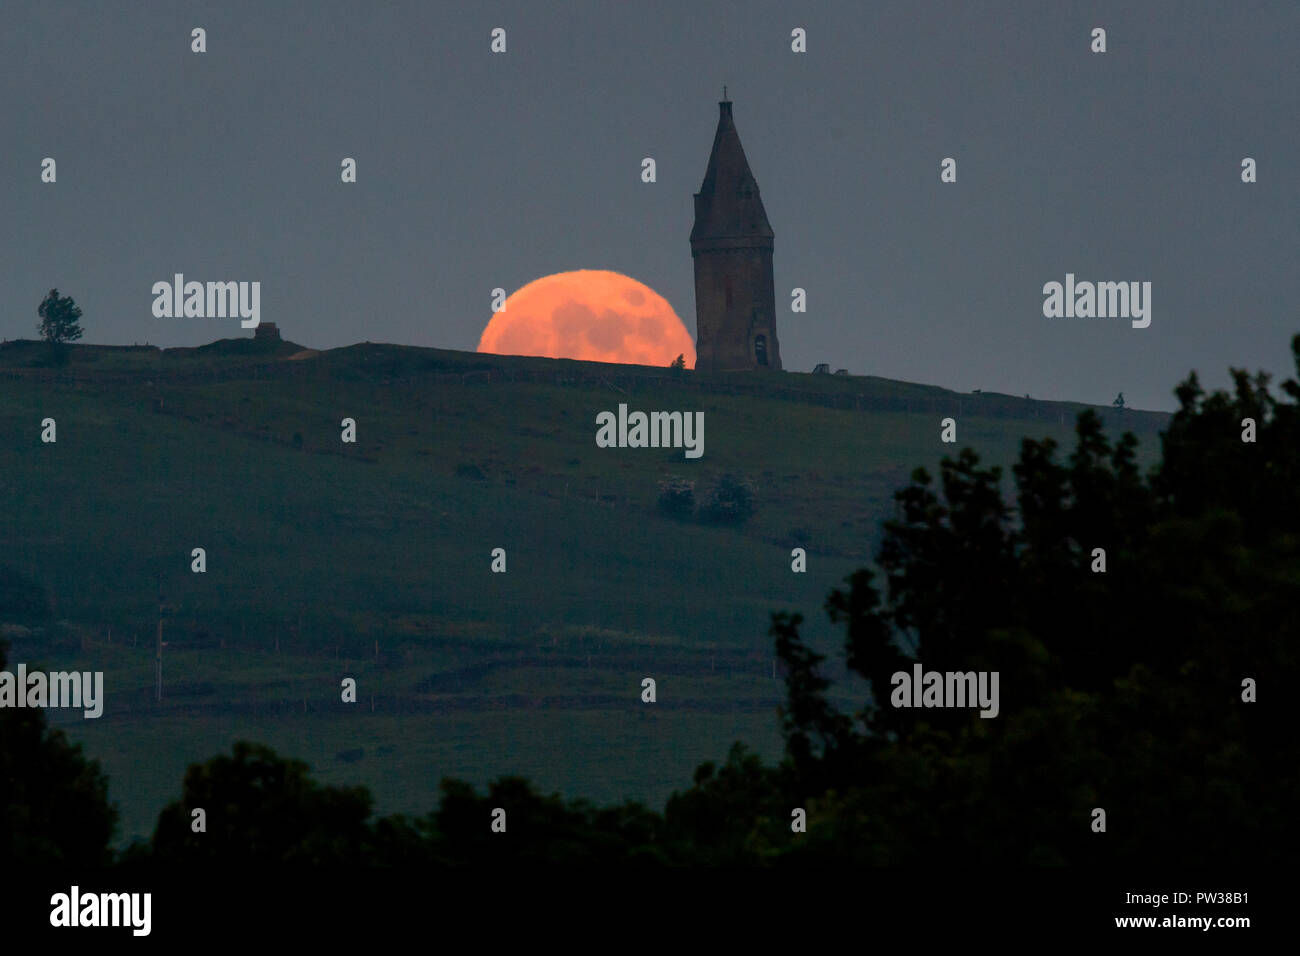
(735, 299)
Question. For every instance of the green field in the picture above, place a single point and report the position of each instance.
(327, 560)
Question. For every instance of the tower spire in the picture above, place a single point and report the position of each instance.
(731, 243)
(728, 205)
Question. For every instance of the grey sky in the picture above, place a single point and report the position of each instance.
(479, 170)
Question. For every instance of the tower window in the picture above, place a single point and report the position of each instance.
(760, 349)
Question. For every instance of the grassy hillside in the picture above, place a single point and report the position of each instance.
(319, 553)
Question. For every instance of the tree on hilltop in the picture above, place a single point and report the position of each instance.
(60, 319)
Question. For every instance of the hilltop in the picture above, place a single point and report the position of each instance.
(372, 559)
(402, 364)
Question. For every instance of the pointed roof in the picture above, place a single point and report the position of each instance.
(728, 204)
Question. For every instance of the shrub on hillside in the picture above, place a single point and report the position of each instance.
(727, 499)
(677, 497)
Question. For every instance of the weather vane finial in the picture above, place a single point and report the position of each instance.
(724, 91)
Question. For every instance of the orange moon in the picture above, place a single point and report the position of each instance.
(589, 314)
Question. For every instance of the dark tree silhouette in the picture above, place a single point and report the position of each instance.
(60, 319)
(540, 829)
(263, 808)
(54, 807)
(1121, 690)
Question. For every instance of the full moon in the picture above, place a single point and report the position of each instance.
(589, 314)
